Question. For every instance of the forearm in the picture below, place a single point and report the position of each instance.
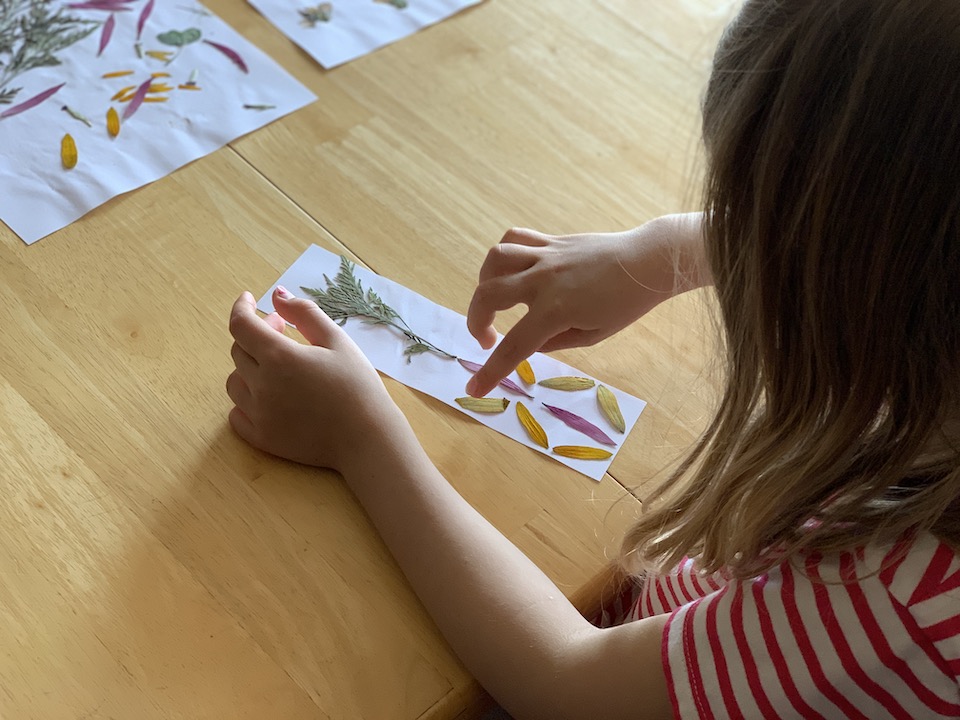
(505, 619)
(679, 240)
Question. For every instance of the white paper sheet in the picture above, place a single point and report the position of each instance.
(445, 379)
(39, 196)
(355, 27)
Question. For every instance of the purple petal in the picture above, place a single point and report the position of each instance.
(144, 14)
(107, 5)
(506, 383)
(32, 102)
(230, 53)
(581, 425)
(107, 33)
(137, 100)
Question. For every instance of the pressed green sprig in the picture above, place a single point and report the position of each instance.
(32, 34)
(345, 298)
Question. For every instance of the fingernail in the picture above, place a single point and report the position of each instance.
(283, 292)
(472, 386)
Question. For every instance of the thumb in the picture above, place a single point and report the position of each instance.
(312, 322)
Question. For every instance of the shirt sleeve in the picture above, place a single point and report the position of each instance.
(802, 643)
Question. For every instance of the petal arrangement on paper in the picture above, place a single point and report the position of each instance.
(369, 307)
(135, 62)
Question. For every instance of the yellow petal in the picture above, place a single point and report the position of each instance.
(533, 428)
(118, 73)
(610, 408)
(68, 152)
(567, 383)
(483, 405)
(525, 371)
(155, 99)
(159, 88)
(159, 75)
(113, 122)
(122, 92)
(582, 452)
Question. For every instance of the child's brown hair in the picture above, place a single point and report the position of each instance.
(832, 230)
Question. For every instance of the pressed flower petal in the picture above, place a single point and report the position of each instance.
(138, 97)
(611, 408)
(107, 33)
(144, 14)
(230, 53)
(570, 384)
(105, 5)
(116, 74)
(113, 122)
(506, 383)
(68, 152)
(122, 92)
(483, 405)
(581, 424)
(525, 371)
(32, 102)
(581, 452)
(534, 429)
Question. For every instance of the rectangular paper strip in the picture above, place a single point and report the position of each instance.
(445, 379)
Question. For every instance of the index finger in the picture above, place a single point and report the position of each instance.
(248, 329)
(524, 339)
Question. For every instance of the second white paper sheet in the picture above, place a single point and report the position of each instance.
(353, 28)
(445, 379)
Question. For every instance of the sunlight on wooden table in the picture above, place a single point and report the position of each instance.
(157, 567)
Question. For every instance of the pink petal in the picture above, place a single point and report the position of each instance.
(581, 425)
(144, 14)
(32, 102)
(107, 33)
(107, 5)
(230, 53)
(506, 383)
(137, 100)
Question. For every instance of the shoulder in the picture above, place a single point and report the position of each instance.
(922, 578)
(867, 633)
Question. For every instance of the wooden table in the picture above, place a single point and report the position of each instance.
(153, 565)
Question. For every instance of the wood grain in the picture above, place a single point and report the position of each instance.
(154, 565)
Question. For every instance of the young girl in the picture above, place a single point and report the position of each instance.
(803, 561)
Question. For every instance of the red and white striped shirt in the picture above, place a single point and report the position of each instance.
(827, 637)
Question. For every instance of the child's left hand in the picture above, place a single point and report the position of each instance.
(320, 404)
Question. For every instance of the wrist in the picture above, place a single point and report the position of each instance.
(677, 241)
(383, 435)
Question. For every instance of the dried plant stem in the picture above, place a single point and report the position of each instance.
(345, 298)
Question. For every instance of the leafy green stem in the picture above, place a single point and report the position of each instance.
(345, 298)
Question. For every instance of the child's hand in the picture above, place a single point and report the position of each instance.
(317, 404)
(579, 289)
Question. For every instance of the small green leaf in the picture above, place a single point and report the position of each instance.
(177, 38)
(171, 37)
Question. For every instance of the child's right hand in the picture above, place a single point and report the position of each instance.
(579, 289)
